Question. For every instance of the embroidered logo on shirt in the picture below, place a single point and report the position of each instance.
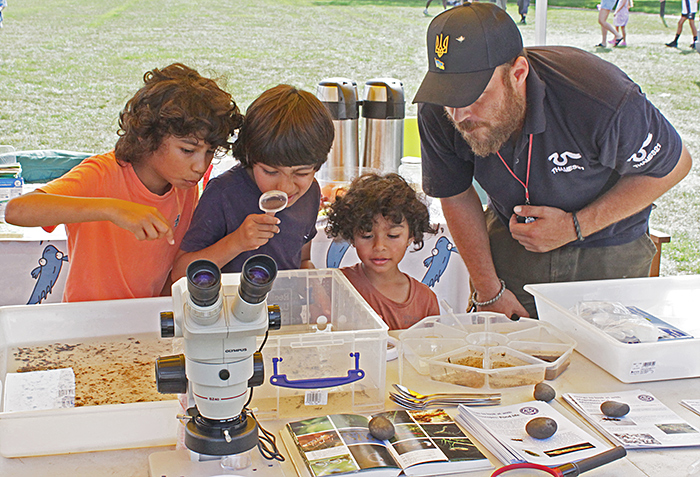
(177, 221)
(641, 157)
(561, 162)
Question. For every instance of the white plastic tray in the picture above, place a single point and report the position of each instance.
(88, 428)
(672, 299)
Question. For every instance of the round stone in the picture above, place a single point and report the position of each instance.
(541, 427)
(614, 408)
(544, 392)
(381, 428)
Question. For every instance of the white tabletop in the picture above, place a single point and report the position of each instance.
(582, 376)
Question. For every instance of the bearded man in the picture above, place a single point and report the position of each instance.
(569, 151)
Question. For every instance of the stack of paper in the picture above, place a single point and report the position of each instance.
(12, 170)
(502, 431)
(649, 424)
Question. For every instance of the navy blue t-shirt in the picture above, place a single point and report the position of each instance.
(229, 198)
(590, 124)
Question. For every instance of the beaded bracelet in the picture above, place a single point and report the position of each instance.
(579, 236)
(492, 300)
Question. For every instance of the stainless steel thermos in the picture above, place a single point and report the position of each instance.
(383, 113)
(339, 95)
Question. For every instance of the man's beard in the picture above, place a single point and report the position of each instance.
(492, 134)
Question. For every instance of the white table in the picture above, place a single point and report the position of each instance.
(582, 376)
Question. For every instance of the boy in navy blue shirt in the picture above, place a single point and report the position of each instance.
(285, 138)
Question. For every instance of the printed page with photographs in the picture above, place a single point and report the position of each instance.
(648, 424)
(502, 431)
(425, 443)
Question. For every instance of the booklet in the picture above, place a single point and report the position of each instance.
(692, 404)
(502, 431)
(649, 424)
(425, 443)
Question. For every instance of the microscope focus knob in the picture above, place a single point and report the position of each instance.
(167, 324)
(170, 374)
(258, 377)
(274, 317)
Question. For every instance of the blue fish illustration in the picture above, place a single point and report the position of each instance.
(46, 274)
(438, 260)
(336, 252)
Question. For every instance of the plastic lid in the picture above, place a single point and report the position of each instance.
(339, 95)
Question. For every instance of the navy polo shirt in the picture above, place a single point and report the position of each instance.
(590, 124)
(229, 198)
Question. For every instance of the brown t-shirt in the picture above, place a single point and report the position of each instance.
(421, 301)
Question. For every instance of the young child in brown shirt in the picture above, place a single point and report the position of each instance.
(381, 216)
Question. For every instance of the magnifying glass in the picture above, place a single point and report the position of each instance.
(273, 201)
(571, 469)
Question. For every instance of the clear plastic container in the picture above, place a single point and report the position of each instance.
(486, 350)
(329, 356)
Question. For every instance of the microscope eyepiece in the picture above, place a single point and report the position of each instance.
(203, 282)
(258, 275)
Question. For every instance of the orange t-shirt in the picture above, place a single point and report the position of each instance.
(421, 301)
(106, 261)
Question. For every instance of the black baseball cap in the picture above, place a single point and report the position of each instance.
(465, 45)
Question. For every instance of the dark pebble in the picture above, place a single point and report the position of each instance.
(381, 428)
(541, 427)
(614, 408)
(544, 392)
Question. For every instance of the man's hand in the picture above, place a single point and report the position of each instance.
(145, 222)
(507, 304)
(551, 229)
(256, 230)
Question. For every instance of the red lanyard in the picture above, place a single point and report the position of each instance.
(527, 176)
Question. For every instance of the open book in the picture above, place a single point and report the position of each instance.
(649, 424)
(502, 430)
(425, 443)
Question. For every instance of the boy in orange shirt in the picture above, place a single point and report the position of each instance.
(381, 216)
(127, 211)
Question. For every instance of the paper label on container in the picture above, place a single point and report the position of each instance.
(316, 397)
(640, 368)
(34, 390)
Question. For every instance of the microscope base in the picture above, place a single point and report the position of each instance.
(177, 463)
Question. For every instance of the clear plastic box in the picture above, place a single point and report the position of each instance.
(312, 371)
(486, 350)
(672, 299)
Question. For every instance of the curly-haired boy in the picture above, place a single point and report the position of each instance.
(127, 211)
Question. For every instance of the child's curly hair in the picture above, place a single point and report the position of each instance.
(372, 194)
(177, 101)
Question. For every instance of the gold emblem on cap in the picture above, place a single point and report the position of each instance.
(441, 45)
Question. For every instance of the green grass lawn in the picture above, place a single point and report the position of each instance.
(68, 66)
